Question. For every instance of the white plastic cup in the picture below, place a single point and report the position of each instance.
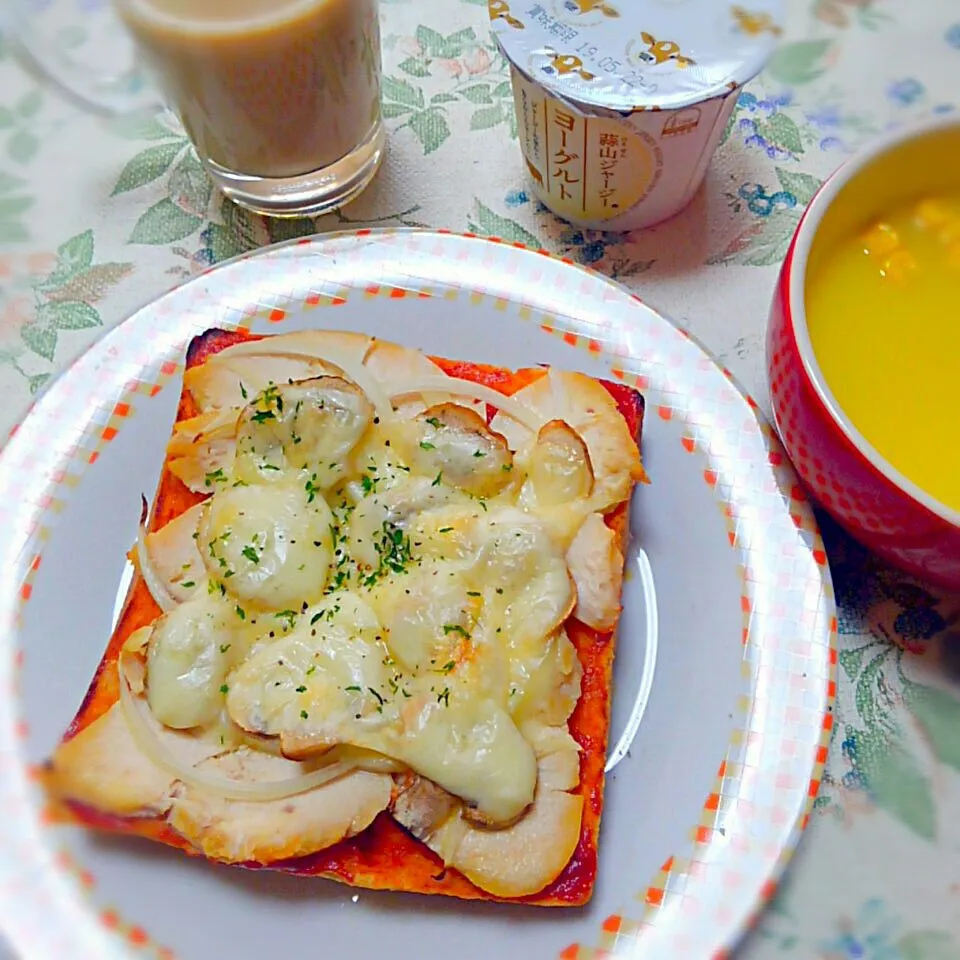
(620, 104)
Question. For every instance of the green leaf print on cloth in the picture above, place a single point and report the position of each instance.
(781, 132)
(189, 186)
(188, 189)
(233, 230)
(799, 62)
(875, 934)
(898, 711)
(403, 93)
(490, 224)
(143, 125)
(430, 127)
(16, 123)
(762, 243)
(66, 297)
(471, 70)
(427, 123)
(13, 204)
(897, 782)
(928, 945)
(148, 165)
(165, 222)
(73, 257)
(803, 186)
(938, 713)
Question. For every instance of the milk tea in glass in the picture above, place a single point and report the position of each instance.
(281, 98)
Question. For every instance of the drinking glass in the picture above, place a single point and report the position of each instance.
(280, 98)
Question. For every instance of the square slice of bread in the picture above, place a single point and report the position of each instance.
(181, 738)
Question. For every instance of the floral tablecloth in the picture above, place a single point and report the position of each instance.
(98, 217)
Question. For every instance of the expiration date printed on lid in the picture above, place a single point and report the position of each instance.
(630, 55)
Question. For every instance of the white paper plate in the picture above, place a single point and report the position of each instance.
(725, 664)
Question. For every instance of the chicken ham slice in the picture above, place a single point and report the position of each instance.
(107, 770)
(172, 551)
(237, 831)
(596, 565)
(231, 382)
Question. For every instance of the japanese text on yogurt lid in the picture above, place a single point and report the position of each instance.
(629, 55)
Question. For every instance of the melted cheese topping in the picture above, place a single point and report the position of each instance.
(270, 545)
(394, 587)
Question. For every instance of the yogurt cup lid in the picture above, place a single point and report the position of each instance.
(629, 55)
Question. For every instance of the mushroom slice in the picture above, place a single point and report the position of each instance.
(584, 404)
(454, 443)
(238, 831)
(596, 565)
(412, 497)
(103, 767)
(560, 468)
(172, 551)
(523, 858)
(420, 805)
(309, 427)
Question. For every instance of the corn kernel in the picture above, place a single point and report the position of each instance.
(949, 233)
(932, 213)
(898, 266)
(880, 240)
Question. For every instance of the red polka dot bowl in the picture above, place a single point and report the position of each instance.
(849, 478)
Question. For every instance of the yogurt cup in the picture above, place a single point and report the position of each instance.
(621, 103)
